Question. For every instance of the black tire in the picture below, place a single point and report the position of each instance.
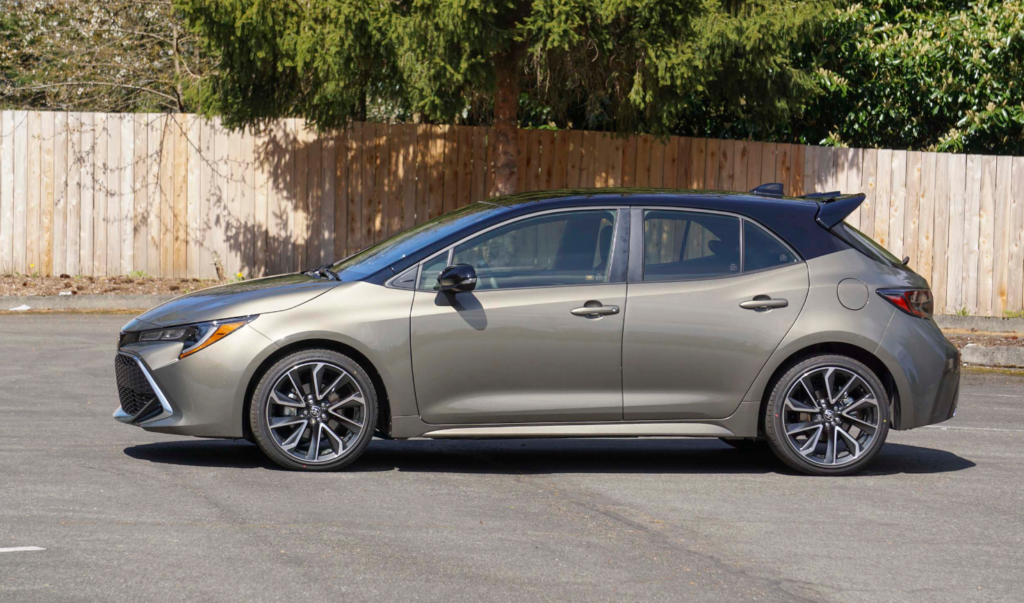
(785, 447)
(258, 414)
(746, 444)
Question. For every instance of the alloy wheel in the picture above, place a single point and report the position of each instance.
(316, 412)
(831, 416)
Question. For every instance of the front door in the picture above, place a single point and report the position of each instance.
(521, 347)
(710, 307)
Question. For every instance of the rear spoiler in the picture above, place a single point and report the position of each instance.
(833, 207)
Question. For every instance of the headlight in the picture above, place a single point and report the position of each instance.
(198, 336)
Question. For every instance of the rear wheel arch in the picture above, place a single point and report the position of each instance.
(858, 353)
(383, 405)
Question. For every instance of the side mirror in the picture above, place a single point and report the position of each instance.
(457, 279)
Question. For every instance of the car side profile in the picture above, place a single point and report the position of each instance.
(748, 317)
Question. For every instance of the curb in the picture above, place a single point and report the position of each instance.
(996, 356)
(990, 324)
(72, 303)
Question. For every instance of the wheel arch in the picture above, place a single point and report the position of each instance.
(383, 427)
(856, 352)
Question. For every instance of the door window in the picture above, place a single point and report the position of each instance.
(762, 251)
(570, 248)
(681, 245)
(432, 268)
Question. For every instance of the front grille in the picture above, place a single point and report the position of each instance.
(132, 386)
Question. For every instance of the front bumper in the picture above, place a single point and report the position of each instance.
(199, 395)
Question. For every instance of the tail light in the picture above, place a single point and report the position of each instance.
(915, 302)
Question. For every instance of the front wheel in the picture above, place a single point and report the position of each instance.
(828, 415)
(314, 410)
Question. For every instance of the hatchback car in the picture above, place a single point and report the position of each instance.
(600, 313)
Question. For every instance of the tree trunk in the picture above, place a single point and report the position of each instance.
(505, 146)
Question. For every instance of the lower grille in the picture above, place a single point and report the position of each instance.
(132, 386)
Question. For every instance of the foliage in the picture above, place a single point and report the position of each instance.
(114, 55)
(922, 74)
(628, 65)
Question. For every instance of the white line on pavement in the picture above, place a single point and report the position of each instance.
(19, 549)
(980, 395)
(945, 427)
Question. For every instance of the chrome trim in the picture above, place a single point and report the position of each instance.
(124, 417)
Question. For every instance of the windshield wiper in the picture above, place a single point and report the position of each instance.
(324, 271)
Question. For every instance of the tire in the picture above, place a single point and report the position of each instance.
(323, 425)
(745, 444)
(827, 415)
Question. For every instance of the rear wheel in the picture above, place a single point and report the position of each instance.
(314, 410)
(828, 415)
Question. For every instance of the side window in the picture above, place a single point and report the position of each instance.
(762, 251)
(431, 269)
(690, 245)
(571, 248)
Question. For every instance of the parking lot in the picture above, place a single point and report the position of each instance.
(126, 515)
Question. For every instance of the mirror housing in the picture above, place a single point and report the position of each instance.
(457, 279)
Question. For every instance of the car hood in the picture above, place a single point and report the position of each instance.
(258, 296)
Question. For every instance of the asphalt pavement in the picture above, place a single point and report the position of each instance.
(125, 515)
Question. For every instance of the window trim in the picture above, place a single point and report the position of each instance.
(637, 259)
(618, 252)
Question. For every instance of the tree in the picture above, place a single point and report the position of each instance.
(940, 75)
(624, 65)
(115, 55)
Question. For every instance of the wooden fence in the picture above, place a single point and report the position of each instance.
(107, 194)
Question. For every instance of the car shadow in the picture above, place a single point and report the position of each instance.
(548, 456)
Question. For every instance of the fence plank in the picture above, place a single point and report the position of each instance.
(464, 177)
(957, 229)
(451, 165)
(34, 190)
(561, 167)
(74, 192)
(671, 177)
(140, 192)
(127, 197)
(87, 171)
(711, 164)
(114, 168)
(698, 161)
(724, 178)
(972, 233)
(261, 174)
(314, 197)
(396, 179)
(603, 155)
(207, 194)
(869, 186)
(796, 176)
(628, 161)
(657, 174)
(6, 192)
(154, 194)
(853, 163)
(940, 247)
(912, 203)
(754, 164)
(546, 161)
(46, 188)
(768, 163)
(436, 193)
(883, 196)
(410, 160)
(926, 218)
(1015, 282)
(354, 156)
(341, 179)
(897, 202)
(300, 234)
(811, 168)
(740, 165)
(60, 200)
(478, 184)
(587, 160)
(423, 173)
(784, 166)
(1001, 244)
(986, 235)
(100, 195)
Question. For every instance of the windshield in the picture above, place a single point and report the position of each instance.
(392, 250)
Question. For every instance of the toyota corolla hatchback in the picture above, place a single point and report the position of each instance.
(600, 313)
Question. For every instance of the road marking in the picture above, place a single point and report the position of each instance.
(945, 427)
(19, 549)
(972, 395)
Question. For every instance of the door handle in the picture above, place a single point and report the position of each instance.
(763, 302)
(594, 309)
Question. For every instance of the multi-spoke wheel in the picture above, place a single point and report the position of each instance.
(314, 409)
(827, 415)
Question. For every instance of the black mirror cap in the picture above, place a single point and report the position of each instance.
(457, 279)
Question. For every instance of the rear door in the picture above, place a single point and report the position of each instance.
(711, 296)
(521, 347)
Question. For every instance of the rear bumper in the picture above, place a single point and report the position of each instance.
(926, 369)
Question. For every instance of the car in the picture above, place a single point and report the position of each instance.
(763, 320)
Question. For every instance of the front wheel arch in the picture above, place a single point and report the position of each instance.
(383, 427)
(842, 349)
